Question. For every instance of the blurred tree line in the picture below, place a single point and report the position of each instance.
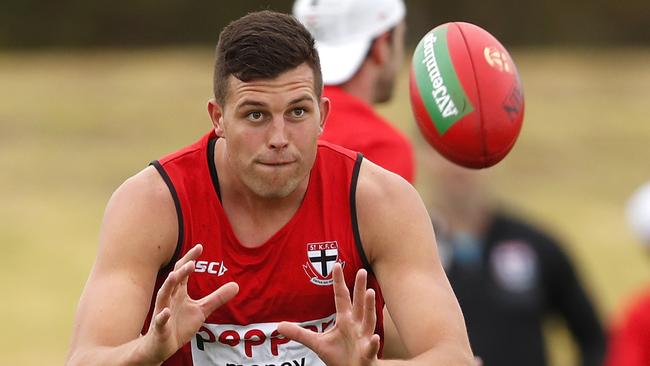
(136, 23)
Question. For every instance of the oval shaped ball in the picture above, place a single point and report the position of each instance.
(466, 94)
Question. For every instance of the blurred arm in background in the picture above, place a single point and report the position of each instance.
(568, 297)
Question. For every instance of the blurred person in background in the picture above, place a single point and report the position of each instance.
(629, 342)
(508, 275)
(361, 48)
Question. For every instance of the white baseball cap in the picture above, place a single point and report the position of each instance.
(638, 213)
(344, 30)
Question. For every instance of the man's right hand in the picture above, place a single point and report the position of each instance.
(177, 317)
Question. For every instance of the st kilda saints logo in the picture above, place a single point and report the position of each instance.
(320, 262)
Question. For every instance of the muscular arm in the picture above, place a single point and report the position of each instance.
(398, 239)
(138, 236)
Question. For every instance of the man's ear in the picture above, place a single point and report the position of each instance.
(324, 112)
(380, 48)
(216, 115)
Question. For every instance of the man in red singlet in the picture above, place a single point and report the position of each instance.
(361, 48)
(240, 248)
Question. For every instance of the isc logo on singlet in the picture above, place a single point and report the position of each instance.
(257, 344)
(217, 268)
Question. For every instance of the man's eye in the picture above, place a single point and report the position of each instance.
(298, 112)
(254, 116)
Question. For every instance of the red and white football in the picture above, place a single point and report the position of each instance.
(466, 94)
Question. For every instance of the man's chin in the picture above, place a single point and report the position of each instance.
(274, 189)
(274, 192)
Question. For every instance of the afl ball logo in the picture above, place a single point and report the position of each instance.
(497, 59)
(320, 262)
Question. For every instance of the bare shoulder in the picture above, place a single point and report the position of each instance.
(146, 187)
(387, 205)
(141, 214)
(378, 186)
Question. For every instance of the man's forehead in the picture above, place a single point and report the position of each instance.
(297, 83)
(300, 74)
(274, 85)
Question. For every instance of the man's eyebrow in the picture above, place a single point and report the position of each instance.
(251, 103)
(300, 99)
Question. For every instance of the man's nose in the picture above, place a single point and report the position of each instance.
(278, 138)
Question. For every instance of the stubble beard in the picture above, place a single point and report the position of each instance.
(273, 188)
(274, 185)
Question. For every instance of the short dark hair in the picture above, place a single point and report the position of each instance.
(263, 45)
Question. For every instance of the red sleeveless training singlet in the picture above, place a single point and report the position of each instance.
(288, 278)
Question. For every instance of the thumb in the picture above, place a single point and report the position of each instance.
(373, 347)
(299, 334)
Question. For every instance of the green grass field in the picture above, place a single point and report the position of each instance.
(73, 126)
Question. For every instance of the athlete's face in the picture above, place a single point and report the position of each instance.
(271, 127)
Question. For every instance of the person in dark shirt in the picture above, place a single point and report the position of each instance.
(508, 275)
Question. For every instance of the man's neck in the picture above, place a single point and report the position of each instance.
(361, 85)
(472, 218)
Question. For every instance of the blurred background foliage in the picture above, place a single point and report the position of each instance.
(131, 23)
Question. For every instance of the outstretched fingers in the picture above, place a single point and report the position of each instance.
(179, 275)
(368, 326)
(352, 339)
(341, 292)
(218, 297)
(191, 255)
(369, 314)
(169, 287)
(359, 295)
(165, 292)
(299, 334)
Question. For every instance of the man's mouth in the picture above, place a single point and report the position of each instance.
(277, 163)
